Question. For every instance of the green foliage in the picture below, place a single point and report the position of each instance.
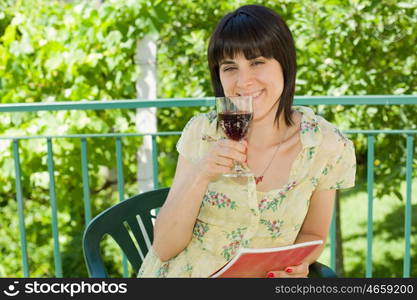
(52, 50)
(56, 51)
(360, 48)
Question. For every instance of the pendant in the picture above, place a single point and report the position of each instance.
(258, 179)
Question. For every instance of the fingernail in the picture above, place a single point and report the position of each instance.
(270, 275)
(288, 270)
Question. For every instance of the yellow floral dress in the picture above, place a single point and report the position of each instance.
(234, 215)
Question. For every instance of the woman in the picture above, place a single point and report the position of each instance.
(298, 158)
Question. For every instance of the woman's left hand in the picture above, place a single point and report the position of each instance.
(300, 271)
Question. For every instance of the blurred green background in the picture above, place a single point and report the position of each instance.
(54, 50)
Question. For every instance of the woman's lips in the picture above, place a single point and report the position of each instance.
(258, 95)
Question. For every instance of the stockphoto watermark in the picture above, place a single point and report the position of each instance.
(17, 287)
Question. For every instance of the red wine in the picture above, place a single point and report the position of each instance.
(235, 124)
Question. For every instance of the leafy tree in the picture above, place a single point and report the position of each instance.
(55, 51)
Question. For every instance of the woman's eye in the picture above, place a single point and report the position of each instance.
(228, 69)
(258, 62)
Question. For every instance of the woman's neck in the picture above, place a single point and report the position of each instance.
(264, 133)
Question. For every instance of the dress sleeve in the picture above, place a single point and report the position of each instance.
(340, 170)
(189, 142)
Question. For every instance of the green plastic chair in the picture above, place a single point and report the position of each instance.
(113, 222)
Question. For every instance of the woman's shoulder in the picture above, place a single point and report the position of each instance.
(195, 132)
(321, 132)
(333, 139)
(202, 127)
(202, 119)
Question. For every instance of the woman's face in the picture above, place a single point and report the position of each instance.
(261, 77)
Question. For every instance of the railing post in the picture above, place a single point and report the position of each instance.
(370, 182)
(20, 208)
(155, 162)
(52, 193)
(86, 185)
(408, 207)
(333, 239)
(121, 186)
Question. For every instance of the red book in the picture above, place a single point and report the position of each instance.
(257, 262)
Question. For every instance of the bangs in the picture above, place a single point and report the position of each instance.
(241, 35)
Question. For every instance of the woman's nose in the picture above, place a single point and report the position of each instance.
(244, 79)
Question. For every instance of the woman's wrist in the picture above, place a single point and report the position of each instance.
(200, 177)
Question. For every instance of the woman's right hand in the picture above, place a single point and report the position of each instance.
(219, 159)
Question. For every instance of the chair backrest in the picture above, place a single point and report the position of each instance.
(133, 213)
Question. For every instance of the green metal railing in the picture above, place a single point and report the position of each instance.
(161, 103)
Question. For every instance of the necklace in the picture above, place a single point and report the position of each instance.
(259, 179)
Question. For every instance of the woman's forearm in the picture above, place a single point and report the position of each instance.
(306, 237)
(176, 219)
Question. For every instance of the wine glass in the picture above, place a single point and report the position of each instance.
(234, 115)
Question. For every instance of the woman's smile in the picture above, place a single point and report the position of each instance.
(256, 95)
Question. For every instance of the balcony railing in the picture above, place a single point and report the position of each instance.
(169, 103)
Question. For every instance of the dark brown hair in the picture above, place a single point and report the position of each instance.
(255, 30)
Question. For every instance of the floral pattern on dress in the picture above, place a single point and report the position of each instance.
(339, 158)
(337, 185)
(200, 229)
(309, 126)
(162, 270)
(220, 200)
(342, 137)
(311, 152)
(188, 268)
(296, 227)
(290, 186)
(314, 181)
(254, 212)
(211, 116)
(236, 241)
(327, 169)
(273, 203)
(274, 227)
(208, 138)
